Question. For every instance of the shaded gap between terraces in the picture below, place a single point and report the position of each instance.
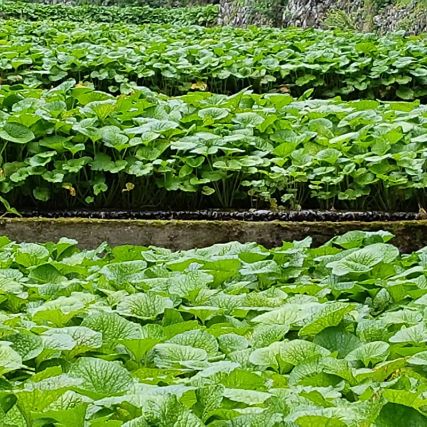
(224, 215)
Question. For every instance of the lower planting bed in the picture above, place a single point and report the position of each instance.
(229, 335)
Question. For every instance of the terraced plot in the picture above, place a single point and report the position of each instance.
(76, 147)
(176, 59)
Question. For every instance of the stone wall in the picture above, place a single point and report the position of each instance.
(312, 13)
(241, 13)
(232, 13)
(412, 19)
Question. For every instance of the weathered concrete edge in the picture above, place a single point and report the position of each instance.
(180, 234)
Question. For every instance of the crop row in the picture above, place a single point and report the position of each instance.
(225, 336)
(198, 15)
(72, 146)
(126, 3)
(174, 59)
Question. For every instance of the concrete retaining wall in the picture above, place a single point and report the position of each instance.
(410, 235)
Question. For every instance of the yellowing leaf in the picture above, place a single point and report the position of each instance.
(199, 86)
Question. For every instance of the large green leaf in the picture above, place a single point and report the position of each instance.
(143, 306)
(112, 327)
(170, 355)
(329, 315)
(85, 339)
(337, 340)
(100, 377)
(26, 344)
(10, 360)
(197, 339)
(16, 132)
(363, 260)
(370, 353)
(399, 416)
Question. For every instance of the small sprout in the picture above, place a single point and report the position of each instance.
(129, 187)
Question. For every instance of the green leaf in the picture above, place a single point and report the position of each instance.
(30, 254)
(248, 119)
(356, 238)
(197, 339)
(15, 132)
(290, 353)
(399, 416)
(319, 421)
(330, 314)
(370, 353)
(41, 193)
(298, 351)
(59, 311)
(139, 347)
(286, 315)
(405, 93)
(10, 360)
(8, 208)
(26, 344)
(125, 272)
(404, 397)
(46, 273)
(232, 342)
(84, 338)
(209, 398)
(213, 113)
(419, 359)
(337, 340)
(112, 327)
(264, 335)
(168, 356)
(363, 260)
(248, 397)
(36, 396)
(100, 377)
(143, 306)
(414, 334)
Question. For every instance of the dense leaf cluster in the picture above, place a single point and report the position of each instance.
(175, 59)
(197, 15)
(74, 146)
(124, 3)
(226, 336)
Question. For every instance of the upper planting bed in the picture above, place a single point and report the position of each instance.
(227, 336)
(202, 15)
(224, 60)
(74, 147)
